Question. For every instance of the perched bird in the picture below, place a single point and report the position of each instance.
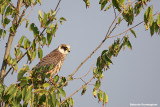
(54, 58)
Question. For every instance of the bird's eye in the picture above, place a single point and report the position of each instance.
(65, 48)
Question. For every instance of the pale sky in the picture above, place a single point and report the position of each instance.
(134, 75)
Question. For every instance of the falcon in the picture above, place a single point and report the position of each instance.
(55, 59)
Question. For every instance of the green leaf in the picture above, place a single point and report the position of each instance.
(97, 84)
(61, 22)
(71, 102)
(100, 96)
(8, 11)
(44, 40)
(14, 62)
(49, 38)
(48, 30)
(133, 32)
(1, 31)
(94, 92)
(4, 33)
(137, 8)
(119, 20)
(2, 88)
(156, 27)
(121, 2)
(105, 98)
(12, 28)
(95, 71)
(6, 21)
(158, 20)
(63, 19)
(39, 90)
(87, 3)
(151, 16)
(33, 55)
(27, 23)
(45, 18)
(107, 58)
(56, 78)
(19, 96)
(39, 2)
(28, 44)
(13, 94)
(42, 99)
(24, 91)
(31, 27)
(28, 94)
(62, 92)
(146, 15)
(54, 99)
(21, 40)
(152, 29)
(40, 53)
(21, 72)
(46, 85)
(10, 89)
(103, 4)
(108, 7)
(129, 44)
(103, 52)
(116, 4)
(15, 67)
(84, 90)
(34, 45)
(25, 43)
(17, 52)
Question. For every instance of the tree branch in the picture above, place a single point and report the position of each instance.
(10, 39)
(77, 90)
(30, 12)
(57, 5)
(126, 30)
(87, 72)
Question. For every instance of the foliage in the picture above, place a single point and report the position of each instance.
(34, 87)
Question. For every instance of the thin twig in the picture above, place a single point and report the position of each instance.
(87, 72)
(114, 12)
(30, 12)
(57, 5)
(20, 18)
(77, 90)
(83, 80)
(12, 4)
(126, 30)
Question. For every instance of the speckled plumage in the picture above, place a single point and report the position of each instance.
(54, 58)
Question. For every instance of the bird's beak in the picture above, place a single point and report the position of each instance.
(69, 50)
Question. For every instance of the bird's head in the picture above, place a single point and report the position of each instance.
(64, 49)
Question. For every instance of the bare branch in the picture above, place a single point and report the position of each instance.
(77, 90)
(57, 5)
(87, 72)
(30, 12)
(126, 30)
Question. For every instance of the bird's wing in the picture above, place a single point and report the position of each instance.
(51, 59)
